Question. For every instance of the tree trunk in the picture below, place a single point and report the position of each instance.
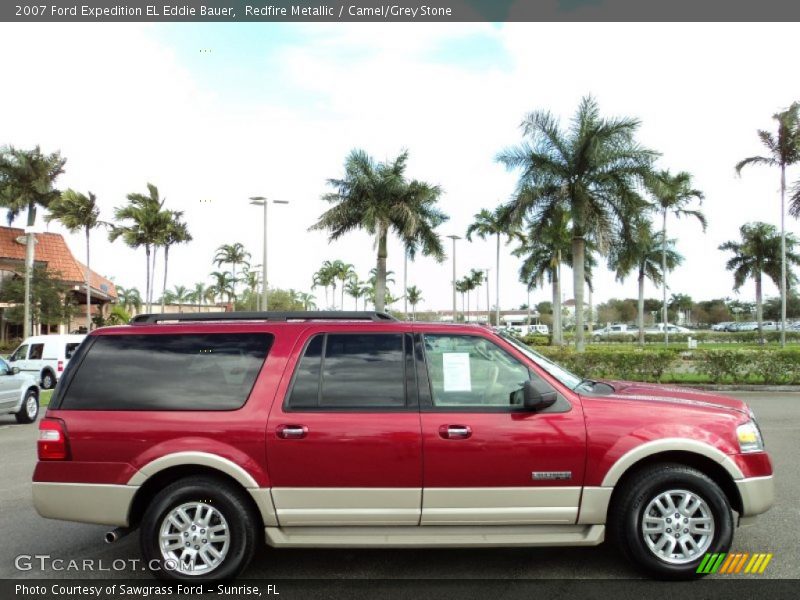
(342, 294)
(640, 306)
(558, 302)
(664, 313)
(783, 256)
(578, 272)
(759, 308)
(591, 310)
(405, 283)
(153, 275)
(88, 289)
(30, 242)
(164, 289)
(556, 339)
(380, 272)
(497, 284)
(147, 284)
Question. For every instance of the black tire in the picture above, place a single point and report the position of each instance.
(244, 527)
(48, 380)
(627, 511)
(23, 415)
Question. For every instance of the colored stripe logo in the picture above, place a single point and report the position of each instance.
(734, 563)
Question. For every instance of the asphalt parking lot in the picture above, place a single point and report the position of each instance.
(25, 533)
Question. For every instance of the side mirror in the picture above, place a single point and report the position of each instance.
(537, 395)
(14, 370)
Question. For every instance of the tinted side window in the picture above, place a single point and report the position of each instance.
(36, 351)
(168, 372)
(351, 371)
(69, 350)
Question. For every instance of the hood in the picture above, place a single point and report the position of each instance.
(651, 392)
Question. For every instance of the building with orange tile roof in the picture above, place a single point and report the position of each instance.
(51, 252)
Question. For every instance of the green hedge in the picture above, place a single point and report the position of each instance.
(762, 365)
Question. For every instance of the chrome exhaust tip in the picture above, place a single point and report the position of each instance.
(115, 534)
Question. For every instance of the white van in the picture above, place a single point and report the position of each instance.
(45, 356)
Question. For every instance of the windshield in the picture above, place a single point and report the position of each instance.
(570, 380)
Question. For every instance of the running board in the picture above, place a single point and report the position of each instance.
(435, 536)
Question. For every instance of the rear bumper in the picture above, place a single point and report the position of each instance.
(84, 502)
(757, 493)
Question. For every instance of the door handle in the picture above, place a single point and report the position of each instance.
(291, 432)
(455, 432)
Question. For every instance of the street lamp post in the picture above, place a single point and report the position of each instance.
(261, 201)
(488, 304)
(455, 308)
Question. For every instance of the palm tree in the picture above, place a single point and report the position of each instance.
(544, 250)
(325, 278)
(379, 199)
(232, 254)
(760, 252)
(645, 254)
(77, 212)
(200, 294)
(489, 223)
(223, 284)
(784, 150)
(129, 298)
(590, 170)
(175, 232)
(180, 296)
(414, 295)
(672, 193)
(251, 280)
(144, 228)
(463, 288)
(355, 289)
(476, 277)
(27, 180)
(307, 300)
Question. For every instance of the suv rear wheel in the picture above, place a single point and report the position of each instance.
(48, 380)
(668, 517)
(199, 528)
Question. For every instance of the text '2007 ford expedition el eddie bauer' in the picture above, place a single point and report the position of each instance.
(212, 433)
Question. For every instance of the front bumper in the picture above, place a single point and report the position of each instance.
(757, 493)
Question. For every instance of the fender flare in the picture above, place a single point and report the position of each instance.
(206, 459)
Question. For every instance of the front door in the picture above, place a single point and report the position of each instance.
(19, 358)
(9, 387)
(344, 447)
(487, 460)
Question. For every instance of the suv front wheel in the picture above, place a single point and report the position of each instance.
(199, 528)
(668, 517)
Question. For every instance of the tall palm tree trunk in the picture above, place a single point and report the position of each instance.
(578, 278)
(30, 242)
(380, 273)
(783, 256)
(558, 307)
(342, 294)
(759, 308)
(640, 306)
(147, 284)
(88, 289)
(497, 284)
(405, 282)
(153, 274)
(164, 288)
(556, 289)
(664, 276)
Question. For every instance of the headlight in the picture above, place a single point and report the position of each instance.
(749, 437)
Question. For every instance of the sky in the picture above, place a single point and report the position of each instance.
(216, 113)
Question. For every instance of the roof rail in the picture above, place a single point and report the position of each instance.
(325, 315)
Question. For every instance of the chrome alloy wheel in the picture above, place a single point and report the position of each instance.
(678, 526)
(31, 406)
(193, 539)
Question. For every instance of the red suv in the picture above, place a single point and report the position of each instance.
(212, 433)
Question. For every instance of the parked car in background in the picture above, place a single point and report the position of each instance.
(45, 357)
(616, 331)
(659, 328)
(19, 393)
(338, 429)
(743, 326)
(723, 326)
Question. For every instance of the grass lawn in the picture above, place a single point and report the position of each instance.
(44, 398)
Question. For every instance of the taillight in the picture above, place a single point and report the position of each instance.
(60, 366)
(52, 444)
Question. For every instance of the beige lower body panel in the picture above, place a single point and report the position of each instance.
(84, 502)
(758, 494)
(498, 506)
(310, 507)
(435, 536)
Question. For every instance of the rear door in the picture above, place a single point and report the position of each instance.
(487, 460)
(344, 447)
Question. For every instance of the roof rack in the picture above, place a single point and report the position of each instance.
(325, 315)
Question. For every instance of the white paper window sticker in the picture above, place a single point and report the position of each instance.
(455, 366)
